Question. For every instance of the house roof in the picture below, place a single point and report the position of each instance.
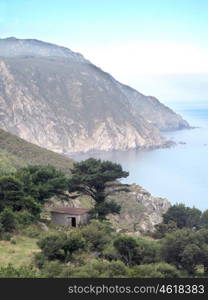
(70, 210)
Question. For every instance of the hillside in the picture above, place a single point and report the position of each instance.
(139, 210)
(55, 98)
(15, 152)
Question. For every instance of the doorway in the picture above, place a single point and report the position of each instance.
(73, 222)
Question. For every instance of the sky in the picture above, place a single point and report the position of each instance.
(159, 47)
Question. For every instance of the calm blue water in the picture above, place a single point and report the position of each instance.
(179, 173)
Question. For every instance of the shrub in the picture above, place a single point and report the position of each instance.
(13, 241)
(183, 249)
(52, 269)
(150, 251)
(98, 235)
(11, 192)
(32, 231)
(162, 229)
(160, 270)
(18, 272)
(110, 253)
(183, 216)
(6, 236)
(51, 244)
(24, 217)
(40, 260)
(100, 269)
(73, 242)
(130, 252)
(8, 220)
(61, 245)
(117, 269)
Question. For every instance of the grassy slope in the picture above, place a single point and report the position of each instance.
(16, 152)
(21, 253)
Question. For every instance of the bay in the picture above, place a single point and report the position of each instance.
(179, 173)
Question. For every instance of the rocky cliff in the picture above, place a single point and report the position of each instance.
(140, 211)
(57, 99)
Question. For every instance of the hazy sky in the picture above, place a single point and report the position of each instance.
(157, 46)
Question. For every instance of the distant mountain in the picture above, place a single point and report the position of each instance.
(16, 153)
(12, 47)
(57, 99)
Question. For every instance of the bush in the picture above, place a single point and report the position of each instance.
(51, 244)
(6, 236)
(8, 220)
(52, 269)
(95, 269)
(61, 245)
(162, 229)
(183, 216)
(11, 192)
(32, 231)
(74, 241)
(18, 272)
(129, 250)
(79, 257)
(97, 235)
(160, 270)
(100, 269)
(110, 253)
(151, 251)
(117, 269)
(24, 217)
(40, 260)
(183, 249)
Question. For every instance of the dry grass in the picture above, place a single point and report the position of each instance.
(20, 253)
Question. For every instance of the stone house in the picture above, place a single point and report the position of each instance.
(70, 216)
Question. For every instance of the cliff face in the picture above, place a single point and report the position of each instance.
(57, 99)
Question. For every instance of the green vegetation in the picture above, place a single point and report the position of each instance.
(178, 248)
(179, 216)
(96, 178)
(24, 194)
(16, 152)
(18, 254)
(186, 249)
(19, 272)
(61, 245)
(159, 270)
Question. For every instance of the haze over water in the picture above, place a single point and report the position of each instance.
(178, 173)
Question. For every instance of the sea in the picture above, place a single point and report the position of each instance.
(179, 173)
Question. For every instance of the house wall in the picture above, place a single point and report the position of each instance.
(62, 219)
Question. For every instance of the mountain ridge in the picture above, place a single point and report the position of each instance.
(11, 47)
(66, 104)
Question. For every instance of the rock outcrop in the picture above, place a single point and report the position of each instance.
(140, 211)
(55, 98)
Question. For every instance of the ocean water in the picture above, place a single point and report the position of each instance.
(179, 173)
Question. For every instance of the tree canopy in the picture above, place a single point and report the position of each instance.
(42, 182)
(98, 179)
